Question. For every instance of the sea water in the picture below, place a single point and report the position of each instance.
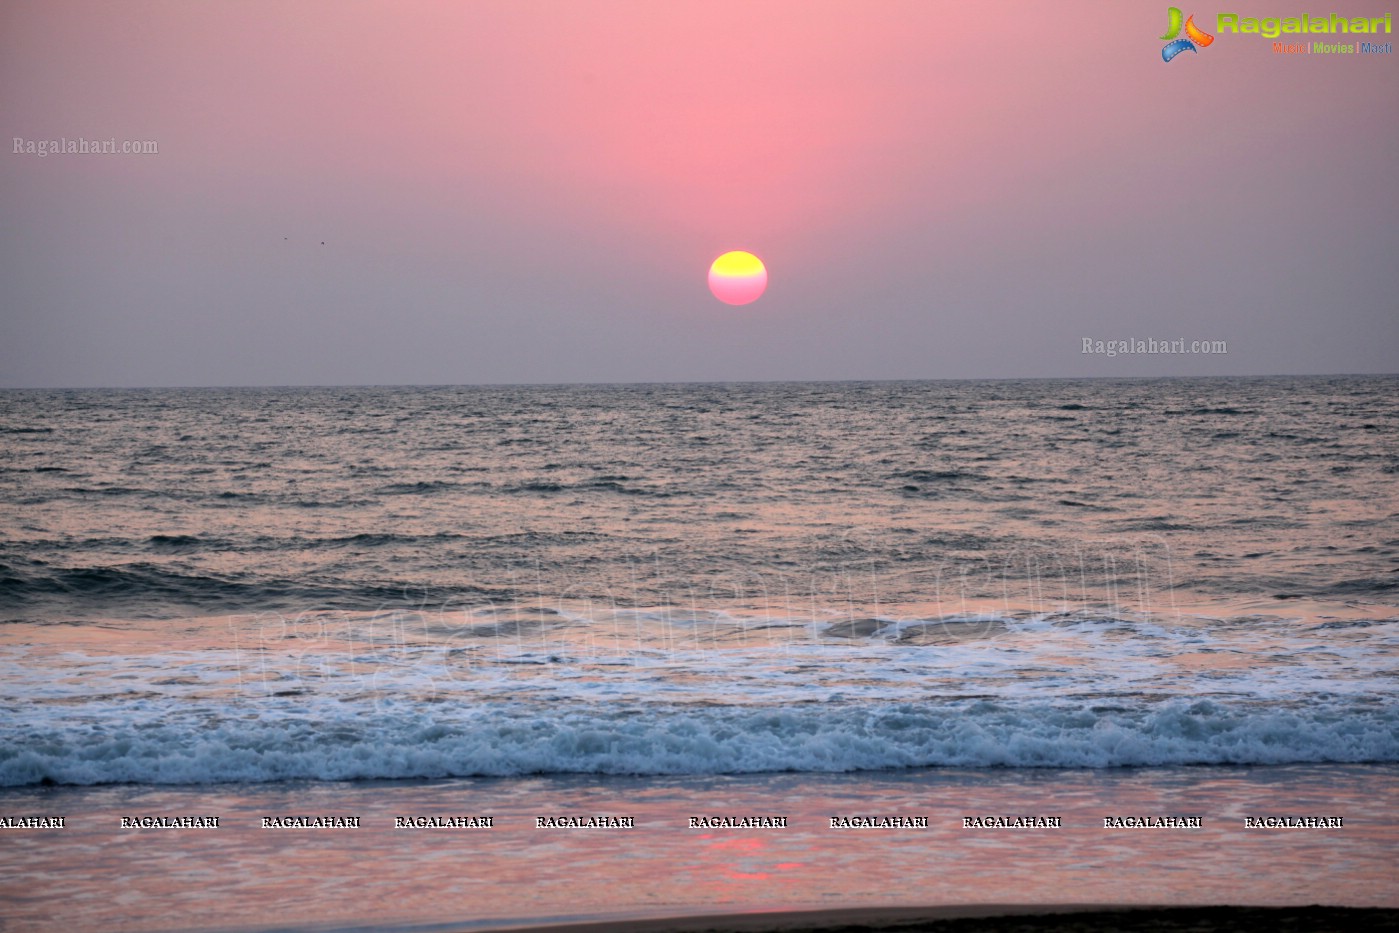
(516, 594)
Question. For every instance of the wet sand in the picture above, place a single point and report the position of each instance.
(93, 876)
(1071, 918)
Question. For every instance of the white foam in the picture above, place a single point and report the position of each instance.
(1033, 692)
(503, 740)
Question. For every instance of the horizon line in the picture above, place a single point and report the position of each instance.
(682, 382)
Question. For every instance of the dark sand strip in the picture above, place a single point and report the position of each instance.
(1012, 919)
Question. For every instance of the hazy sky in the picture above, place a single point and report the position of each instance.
(513, 191)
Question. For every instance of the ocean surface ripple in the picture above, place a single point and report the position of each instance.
(338, 583)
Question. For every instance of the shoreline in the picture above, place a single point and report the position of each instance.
(667, 876)
(991, 918)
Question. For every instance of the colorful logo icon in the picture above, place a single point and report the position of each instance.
(1193, 34)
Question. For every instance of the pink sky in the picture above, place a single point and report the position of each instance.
(938, 189)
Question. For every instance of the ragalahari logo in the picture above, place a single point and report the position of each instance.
(1193, 34)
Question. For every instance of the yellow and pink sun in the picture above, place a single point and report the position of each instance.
(738, 278)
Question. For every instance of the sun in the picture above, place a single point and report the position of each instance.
(738, 278)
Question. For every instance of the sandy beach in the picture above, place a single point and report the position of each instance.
(1000, 918)
(664, 875)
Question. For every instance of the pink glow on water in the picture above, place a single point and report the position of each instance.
(240, 875)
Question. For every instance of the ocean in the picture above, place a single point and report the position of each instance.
(1067, 599)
